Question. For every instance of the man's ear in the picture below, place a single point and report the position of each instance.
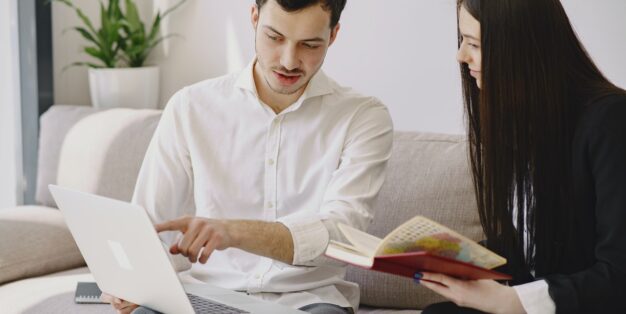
(333, 34)
(254, 15)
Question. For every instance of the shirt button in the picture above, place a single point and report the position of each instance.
(270, 162)
(270, 204)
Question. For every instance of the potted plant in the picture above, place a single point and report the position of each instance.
(121, 44)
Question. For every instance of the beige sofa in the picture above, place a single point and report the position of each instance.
(101, 152)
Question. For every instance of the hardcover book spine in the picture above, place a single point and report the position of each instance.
(392, 268)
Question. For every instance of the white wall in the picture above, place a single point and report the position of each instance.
(601, 25)
(10, 127)
(402, 51)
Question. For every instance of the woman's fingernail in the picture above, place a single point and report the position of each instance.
(417, 277)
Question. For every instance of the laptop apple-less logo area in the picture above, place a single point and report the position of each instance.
(120, 255)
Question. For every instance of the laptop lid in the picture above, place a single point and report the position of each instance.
(122, 249)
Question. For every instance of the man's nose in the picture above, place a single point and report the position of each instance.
(290, 59)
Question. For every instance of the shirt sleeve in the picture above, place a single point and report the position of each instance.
(601, 287)
(535, 297)
(165, 183)
(351, 190)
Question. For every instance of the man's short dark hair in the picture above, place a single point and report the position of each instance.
(333, 6)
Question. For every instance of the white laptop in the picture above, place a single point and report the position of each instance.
(127, 259)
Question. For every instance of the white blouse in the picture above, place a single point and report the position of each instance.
(534, 296)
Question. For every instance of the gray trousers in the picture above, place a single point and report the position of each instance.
(316, 308)
(326, 308)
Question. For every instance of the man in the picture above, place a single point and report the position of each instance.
(256, 169)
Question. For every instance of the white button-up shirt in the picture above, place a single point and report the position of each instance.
(219, 152)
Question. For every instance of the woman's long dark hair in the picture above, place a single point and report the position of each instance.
(535, 76)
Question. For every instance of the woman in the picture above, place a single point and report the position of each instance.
(547, 134)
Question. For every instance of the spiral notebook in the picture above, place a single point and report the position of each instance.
(87, 292)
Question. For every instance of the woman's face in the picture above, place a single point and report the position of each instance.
(469, 52)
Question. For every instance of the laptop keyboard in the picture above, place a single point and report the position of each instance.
(204, 306)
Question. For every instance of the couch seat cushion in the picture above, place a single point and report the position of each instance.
(51, 294)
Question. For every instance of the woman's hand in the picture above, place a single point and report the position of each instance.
(484, 295)
(121, 306)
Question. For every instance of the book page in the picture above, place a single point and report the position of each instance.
(423, 234)
(349, 254)
(362, 241)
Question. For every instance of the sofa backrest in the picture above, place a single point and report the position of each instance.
(428, 175)
(53, 127)
(93, 151)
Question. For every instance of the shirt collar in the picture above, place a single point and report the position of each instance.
(245, 79)
(319, 85)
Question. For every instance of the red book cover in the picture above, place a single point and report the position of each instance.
(407, 264)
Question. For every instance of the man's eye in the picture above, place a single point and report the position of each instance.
(310, 46)
(274, 38)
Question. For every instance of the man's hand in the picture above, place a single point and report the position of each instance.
(201, 236)
(121, 306)
(484, 295)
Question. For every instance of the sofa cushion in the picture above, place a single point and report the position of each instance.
(50, 294)
(54, 125)
(103, 152)
(35, 241)
(55, 294)
(429, 175)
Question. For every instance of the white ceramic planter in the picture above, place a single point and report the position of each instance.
(124, 87)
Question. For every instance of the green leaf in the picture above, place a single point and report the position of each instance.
(136, 50)
(66, 2)
(132, 16)
(106, 25)
(97, 53)
(87, 35)
(85, 20)
(89, 64)
(106, 38)
(158, 41)
(121, 36)
(156, 26)
(113, 11)
(170, 10)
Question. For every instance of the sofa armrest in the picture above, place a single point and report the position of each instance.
(34, 240)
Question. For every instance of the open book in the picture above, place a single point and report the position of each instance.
(419, 244)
